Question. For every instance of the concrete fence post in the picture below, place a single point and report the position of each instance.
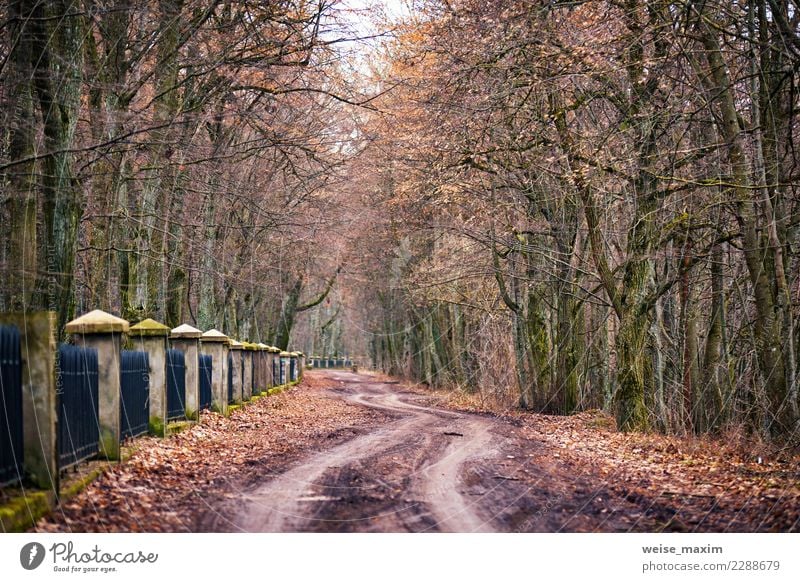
(257, 370)
(284, 367)
(267, 371)
(268, 379)
(262, 354)
(151, 336)
(37, 332)
(293, 361)
(103, 331)
(247, 373)
(257, 356)
(187, 339)
(237, 360)
(273, 381)
(214, 343)
(298, 366)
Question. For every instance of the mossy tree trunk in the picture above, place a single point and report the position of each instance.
(762, 252)
(109, 98)
(291, 307)
(712, 397)
(20, 240)
(58, 32)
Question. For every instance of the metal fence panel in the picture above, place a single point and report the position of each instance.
(77, 392)
(230, 378)
(134, 399)
(205, 381)
(255, 389)
(176, 385)
(10, 405)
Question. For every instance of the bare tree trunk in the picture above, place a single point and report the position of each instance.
(768, 323)
(57, 36)
(713, 401)
(693, 410)
(18, 181)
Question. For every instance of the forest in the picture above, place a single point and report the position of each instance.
(556, 206)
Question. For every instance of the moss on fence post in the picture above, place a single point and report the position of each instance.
(151, 336)
(39, 413)
(214, 343)
(103, 331)
(187, 339)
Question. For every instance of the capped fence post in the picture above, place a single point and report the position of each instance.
(247, 372)
(284, 367)
(302, 358)
(151, 337)
(103, 331)
(274, 378)
(261, 366)
(274, 369)
(265, 367)
(237, 359)
(37, 332)
(293, 361)
(214, 343)
(258, 371)
(268, 380)
(267, 351)
(187, 339)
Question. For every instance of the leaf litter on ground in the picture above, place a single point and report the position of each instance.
(167, 485)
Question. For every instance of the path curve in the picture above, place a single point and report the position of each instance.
(427, 447)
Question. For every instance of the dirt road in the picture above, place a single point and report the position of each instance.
(428, 469)
(402, 476)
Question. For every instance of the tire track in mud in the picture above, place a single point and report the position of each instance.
(402, 476)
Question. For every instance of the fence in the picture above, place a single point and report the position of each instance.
(255, 388)
(134, 394)
(230, 378)
(77, 392)
(331, 362)
(176, 385)
(205, 381)
(10, 405)
(283, 370)
(85, 399)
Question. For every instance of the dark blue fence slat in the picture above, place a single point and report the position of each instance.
(276, 371)
(255, 389)
(134, 399)
(205, 381)
(77, 391)
(176, 385)
(230, 378)
(10, 405)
